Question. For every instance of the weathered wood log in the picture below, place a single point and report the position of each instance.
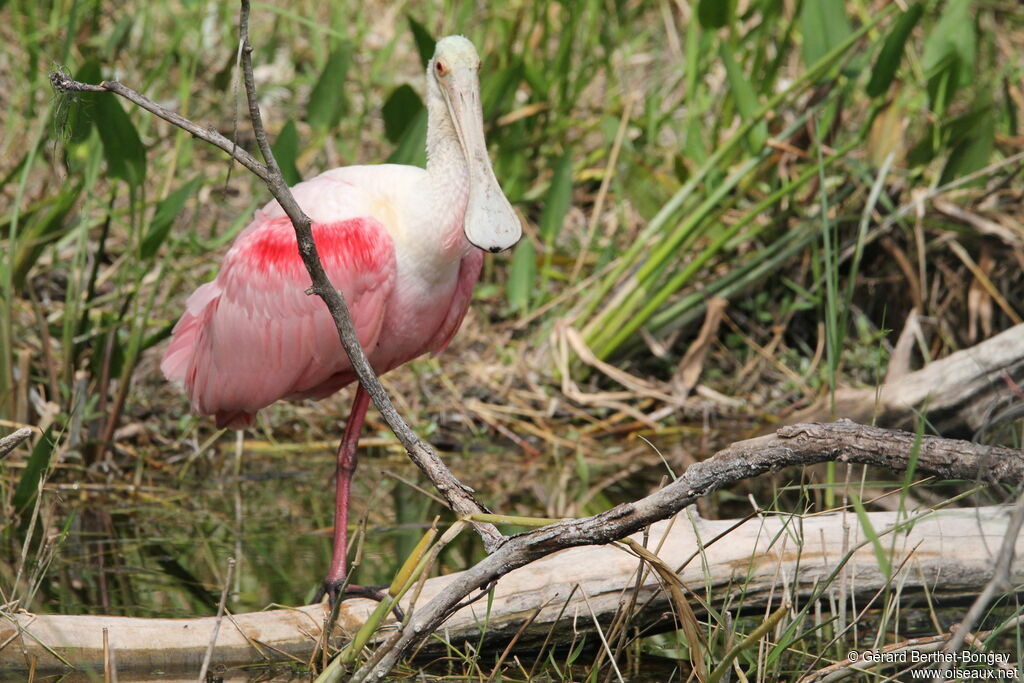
(960, 550)
(960, 394)
(765, 558)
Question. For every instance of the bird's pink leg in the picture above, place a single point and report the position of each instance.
(346, 466)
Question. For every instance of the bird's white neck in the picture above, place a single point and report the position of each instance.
(447, 175)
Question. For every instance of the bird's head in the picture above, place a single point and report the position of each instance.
(490, 222)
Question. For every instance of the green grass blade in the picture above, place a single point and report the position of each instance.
(558, 200)
(714, 14)
(411, 148)
(522, 276)
(122, 148)
(34, 472)
(869, 532)
(891, 55)
(825, 26)
(286, 152)
(950, 52)
(327, 102)
(400, 111)
(424, 41)
(743, 92)
(166, 211)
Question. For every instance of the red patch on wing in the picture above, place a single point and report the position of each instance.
(355, 242)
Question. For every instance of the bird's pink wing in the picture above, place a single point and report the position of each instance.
(469, 273)
(253, 335)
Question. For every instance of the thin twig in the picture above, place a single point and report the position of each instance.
(220, 617)
(458, 496)
(107, 675)
(803, 444)
(62, 82)
(604, 641)
(998, 584)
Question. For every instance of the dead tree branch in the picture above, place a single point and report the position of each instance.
(804, 444)
(458, 496)
(963, 393)
(13, 440)
(178, 644)
(1000, 582)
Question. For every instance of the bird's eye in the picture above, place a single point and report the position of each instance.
(441, 68)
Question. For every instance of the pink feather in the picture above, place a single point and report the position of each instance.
(253, 336)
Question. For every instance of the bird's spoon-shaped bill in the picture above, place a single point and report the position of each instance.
(491, 223)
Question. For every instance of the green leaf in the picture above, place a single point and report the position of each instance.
(122, 148)
(412, 146)
(424, 41)
(40, 225)
(950, 52)
(714, 13)
(825, 26)
(935, 139)
(574, 655)
(884, 565)
(166, 211)
(972, 153)
(35, 470)
(746, 98)
(1009, 108)
(559, 199)
(286, 151)
(499, 88)
(400, 111)
(327, 101)
(522, 274)
(891, 55)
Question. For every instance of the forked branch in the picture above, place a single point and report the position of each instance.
(804, 444)
(458, 496)
(49, 642)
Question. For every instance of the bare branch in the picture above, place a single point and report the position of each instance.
(997, 585)
(13, 440)
(804, 444)
(58, 639)
(458, 496)
(62, 82)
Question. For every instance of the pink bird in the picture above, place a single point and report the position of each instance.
(403, 245)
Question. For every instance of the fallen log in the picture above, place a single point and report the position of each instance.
(948, 552)
(962, 394)
(956, 545)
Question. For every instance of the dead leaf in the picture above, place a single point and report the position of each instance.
(979, 303)
(690, 367)
(900, 364)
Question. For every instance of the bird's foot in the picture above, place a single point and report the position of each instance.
(335, 594)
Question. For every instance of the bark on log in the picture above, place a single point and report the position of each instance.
(960, 394)
(951, 550)
(957, 545)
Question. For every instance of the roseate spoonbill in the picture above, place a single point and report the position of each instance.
(403, 244)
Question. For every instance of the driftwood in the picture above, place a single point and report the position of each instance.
(801, 445)
(961, 394)
(950, 550)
